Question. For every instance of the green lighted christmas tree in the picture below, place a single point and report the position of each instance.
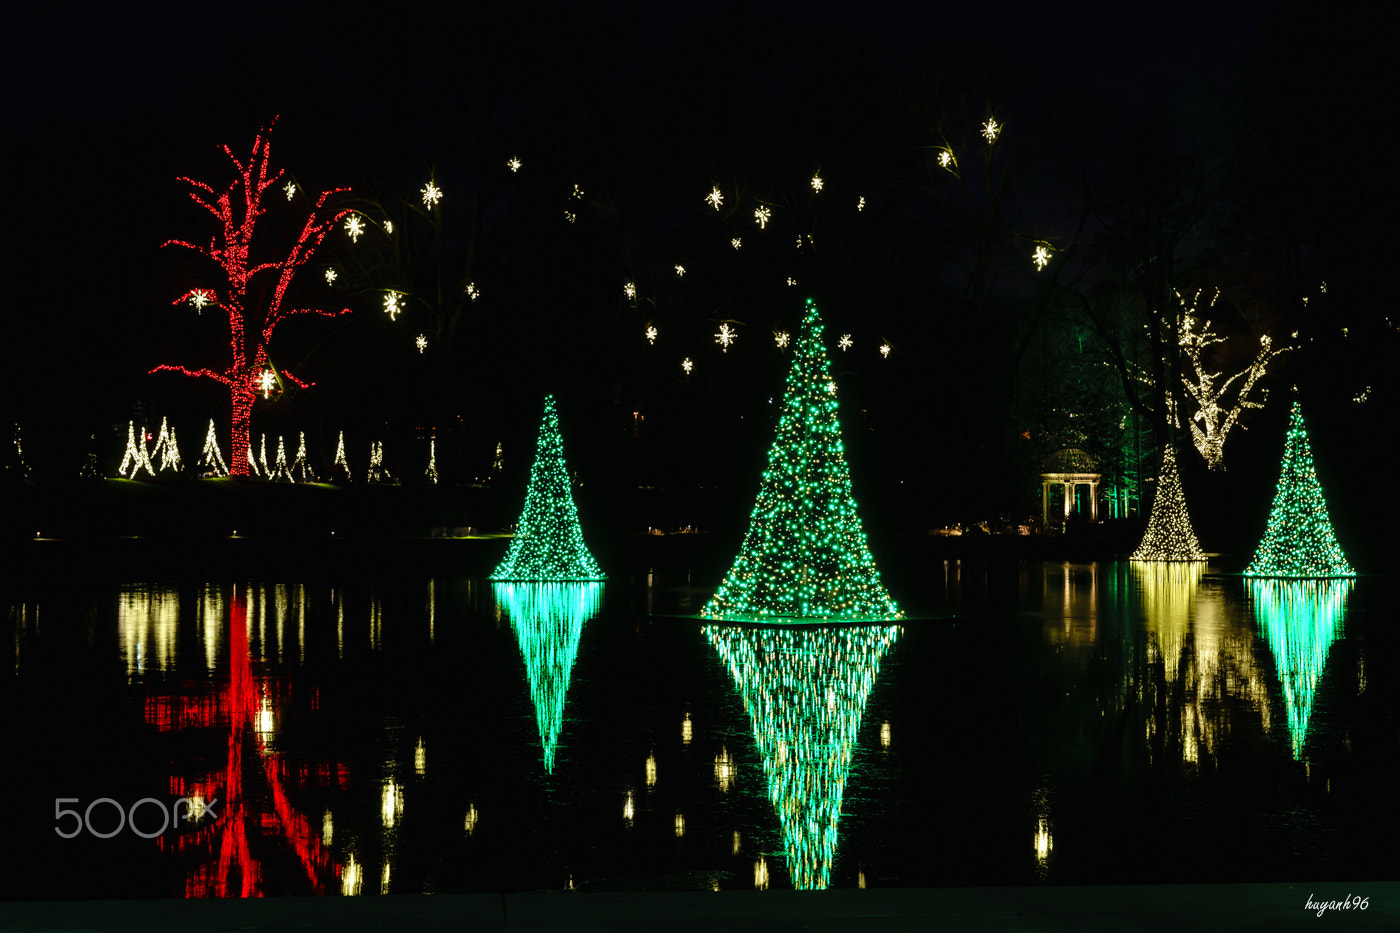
(805, 554)
(1169, 535)
(548, 542)
(1299, 540)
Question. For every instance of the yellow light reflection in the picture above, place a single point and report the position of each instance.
(885, 735)
(384, 879)
(147, 626)
(469, 824)
(629, 810)
(724, 769)
(351, 880)
(420, 759)
(327, 830)
(391, 803)
(736, 842)
(651, 770)
(686, 731)
(760, 874)
(680, 825)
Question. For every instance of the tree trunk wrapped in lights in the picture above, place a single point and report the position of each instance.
(1169, 535)
(255, 289)
(805, 555)
(548, 542)
(1299, 540)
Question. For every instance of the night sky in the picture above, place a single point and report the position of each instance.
(1258, 120)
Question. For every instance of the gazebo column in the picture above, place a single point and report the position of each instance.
(1094, 499)
(1044, 502)
(1069, 498)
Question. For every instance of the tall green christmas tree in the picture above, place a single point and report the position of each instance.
(548, 542)
(548, 621)
(805, 555)
(1299, 540)
(1169, 535)
(805, 690)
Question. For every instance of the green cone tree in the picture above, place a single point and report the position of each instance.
(1169, 535)
(548, 542)
(805, 554)
(1299, 540)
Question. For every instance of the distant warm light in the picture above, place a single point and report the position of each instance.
(420, 759)
(791, 281)
(736, 242)
(885, 350)
(760, 874)
(354, 226)
(577, 193)
(687, 365)
(651, 334)
(817, 182)
(629, 809)
(945, 159)
(1043, 843)
(725, 337)
(724, 770)
(1041, 257)
(781, 338)
(330, 276)
(291, 190)
(991, 130)
(680, 825)
(392, 306)
(762, 215)
(199, 298)
(472, 291)
(885, 735)
(267, 381)
(570, 216)
(421, 342)
(845, 343)
(630, 290)
(715, 198)
(513, 164)
(351, 879)
(860, 205)
(1361, 397)
(388, 226)
(390, 803)
(651, 770)
(680, 271)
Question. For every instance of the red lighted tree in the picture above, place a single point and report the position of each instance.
(255, 280)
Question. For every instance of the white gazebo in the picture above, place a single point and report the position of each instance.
(1069, 468)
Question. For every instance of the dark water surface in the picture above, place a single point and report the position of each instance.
(401, 733)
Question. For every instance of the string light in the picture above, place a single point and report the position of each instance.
(211, 458)
(472, 292)
(1299, 540)
(136, 456)
(330, 276)
(280, 473)
(431, 473)
(548, 542)
(392, 306)
(736, 242)
(432, 194)
(725, 337)
(167, 449)
(714, 198)
(885, 350)
(340, 458)
(630, 290)
(845, 343)
(378, 473)
(781, 339)
(945, 160)
(354, 226)
(791, 281)
(687, 365)
(291, 190)
(199, 298)
(1041, 257)
(991, 130)
(514, 164)
(248, 348)
(762, 215)
(680, 271)
(817, 182)
(267, 382)
(860, 205)
(301, 471)
(389, 227)
(1169, 535)
(805, 554)
(651, 334)
(577, 193)
(421, 342)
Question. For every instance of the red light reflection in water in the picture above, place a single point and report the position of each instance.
(237, 872)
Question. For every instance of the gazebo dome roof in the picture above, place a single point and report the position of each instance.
(1069, 460)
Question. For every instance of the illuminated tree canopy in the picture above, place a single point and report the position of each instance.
(548, 543)
(1299, 540)
(805, 554)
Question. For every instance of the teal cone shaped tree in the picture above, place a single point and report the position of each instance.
(548, 621)
(548, 542)
(805, 554)
(805, 690)
(1299, 540)
(1169, 535)
(1301, 619)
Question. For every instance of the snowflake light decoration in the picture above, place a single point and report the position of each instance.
(514, 164)
(421, 342)
(1041, 257)
(885, 350)
(388, 226)
(762, 215)
(725, 337)
(354, 226)
(392, 306)
(330, 276)
(570, 216)
(199, 298)
(945, 159)
(860, 205)
(991, 130)
(831, 388)
(290, 190)
(687, 365)
(266, 382)
(781, 338)
(630, 290)
(791, 281)
(845, 343)
(714, 198)
(817, 182)
(472, 291)
(736, 242)
(577, 193)
(680, 271)
(651, 333)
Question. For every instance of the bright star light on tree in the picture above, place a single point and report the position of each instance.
(513, 164)
(266, 382)
(421, 342)
(736, 242)
(991, 130)
(388, 226)
(781, 339)
(330, 276)
(687, 365)
(354, 226)
(680, 271)
(817, 182)
(199, 298)
(472, 291)
(845, 343)
(885, 350)
(630, 289)
(945, 159)
(715, 198)
(291, 190)
(860, 205)
(762, 215)
(651, 334)
(791, 281)
(1041, 257)
(725, 337)
(831, 388)
(392, 306)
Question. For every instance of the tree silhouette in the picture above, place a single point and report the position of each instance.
(254, 289)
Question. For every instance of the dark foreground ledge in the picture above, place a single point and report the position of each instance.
(1117, 908)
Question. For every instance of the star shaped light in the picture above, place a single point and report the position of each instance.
(421, 342)
(651, 333)
(845, 343)
(513, 164)
(267, 381)
(392, 306)
(472, 292)
(945, 159)
(291, 190)
(762, 215)
(199, 298)
(885, 350)
(991, 130)
(725, 337)
(687, 365)
(714, 198)
(1041, 257)
(354, 226)
(817, 182)
(330, 276)
(630, 289)
(736, 242)
(781, 339)
(680, 271)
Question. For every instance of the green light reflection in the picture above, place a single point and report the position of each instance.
(548, 620)
(805, 690)
(1300, 620)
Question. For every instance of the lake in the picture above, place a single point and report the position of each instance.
(411, 732)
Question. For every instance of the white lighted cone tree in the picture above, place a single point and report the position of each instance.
(548, 543)
(1169, 535)
(210, 459)
(805, 554)
(136, 456)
